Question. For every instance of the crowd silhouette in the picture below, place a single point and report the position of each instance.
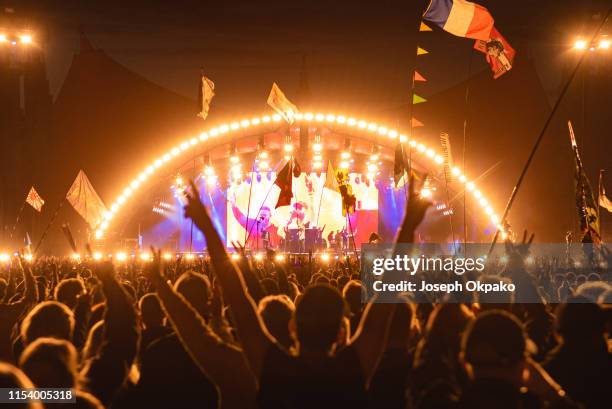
(217, 332)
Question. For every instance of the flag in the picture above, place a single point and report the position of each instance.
(416, 99)
(461, 18)
(424, 27)
(330, 178)
(400, 163)
(603, 199)
(421, 51)
(448, 155)
(281, 104)
(585, 202)
(35, 200)
(499, 53)
(284, 181)
(297, 169)
(69, 237)
(85, 200)
(346, 191)
(418, 77)
(415, 123)
(206, 92)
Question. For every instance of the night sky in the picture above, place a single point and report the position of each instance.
(358, 55)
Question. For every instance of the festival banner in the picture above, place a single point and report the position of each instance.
(281, 104)
(35, 200)
(85, 200)
(585, 202)
(206, 92)
(499, 53)
(284, 181)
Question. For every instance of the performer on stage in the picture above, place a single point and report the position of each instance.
(262, 234)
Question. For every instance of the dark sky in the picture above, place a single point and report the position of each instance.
(359, 54)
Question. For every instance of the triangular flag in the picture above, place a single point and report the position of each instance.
(417, 99)
(421, 51)
(284, 180)
(330, 178)
(603, 200)
(206, 92)
(35, 200)
(85, 200)
(281, 104)
(415, 123)
(424, 27)
(418, 77)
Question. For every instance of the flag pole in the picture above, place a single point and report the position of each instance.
(348, 219)
(321, 200)
(17, 219)
(599, 190)
(542, 132)
(42, 237)
(246, 230)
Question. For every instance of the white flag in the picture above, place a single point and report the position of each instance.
(85, 200)
(206, 92)
(35, 200)
(281, 104)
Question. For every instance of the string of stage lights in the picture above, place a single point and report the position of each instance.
(263, 164)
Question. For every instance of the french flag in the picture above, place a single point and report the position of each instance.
(461, 18)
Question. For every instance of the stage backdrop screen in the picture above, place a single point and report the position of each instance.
(322, 207)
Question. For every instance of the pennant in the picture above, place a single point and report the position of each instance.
(418, 77)
(604, 201)
(346, 191)
(85, 200)
(461, 18)
(424, 27)
(281, 104)
(284, 181)
(417, 99)
(330, 178)
(35, 200)
(415, 123)
(422, 51)
(499, 53)
(400, 164)
(206, 92)
(585, 202)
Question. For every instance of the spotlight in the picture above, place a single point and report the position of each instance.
(258, 256)
(235, 256)
(263, 155)
(605, 43)
(25, 38)
(97, 256)
(345, 155)
(167, 256)
(317, 147)
(3, 38)
(280, 257)
(145, 256)
(75, 256)
(264, 165)
(325, 257)
(372, 168)
(317, 158)
(190, 256)
(5, 258)
(580, 44)
(317, 165)
(344, 165)
(209, 171)
(374, 157)
(28, 257)
(234, 159)
(121, 256)
(288, 147)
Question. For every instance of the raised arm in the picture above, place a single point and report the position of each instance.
(370, 337)
(30, 291)
(207, 350)
(251, 332)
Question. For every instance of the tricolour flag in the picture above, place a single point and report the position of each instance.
(85, 200)
(603, 199)
(499, 53)
(206, 92)
(281, 104)
(461, 18)
(585, 202)
(35, 200)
